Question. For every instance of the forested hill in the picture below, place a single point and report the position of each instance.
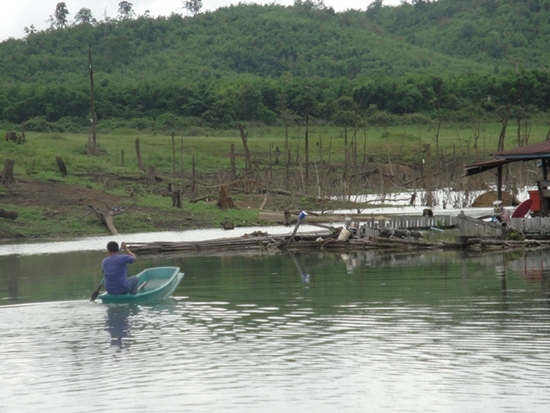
(307, 39)
(267, 41)
(396, 59)
(502, 33)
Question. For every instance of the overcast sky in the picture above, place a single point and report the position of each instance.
(18, 14)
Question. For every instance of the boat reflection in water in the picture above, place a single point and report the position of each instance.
(118, 325)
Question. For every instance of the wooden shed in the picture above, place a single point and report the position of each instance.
(535, 152)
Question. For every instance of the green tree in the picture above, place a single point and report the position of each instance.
(84, 15)
(192, 6)
(60, 15)
(125, 10)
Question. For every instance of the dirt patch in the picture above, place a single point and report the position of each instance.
(63, 205)
(54, 195)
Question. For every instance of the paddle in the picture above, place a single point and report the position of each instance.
(96, 292)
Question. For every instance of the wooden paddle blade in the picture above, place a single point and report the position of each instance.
(95, 294)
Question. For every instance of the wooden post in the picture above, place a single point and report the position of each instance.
(7, 174)
(138, 154)
(61, 165)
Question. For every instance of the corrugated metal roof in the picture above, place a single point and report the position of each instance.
(540, 150)
(484, 166)
(533, 151)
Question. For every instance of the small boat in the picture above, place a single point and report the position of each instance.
(154, 284)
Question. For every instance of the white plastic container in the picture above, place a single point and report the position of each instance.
(344, 235)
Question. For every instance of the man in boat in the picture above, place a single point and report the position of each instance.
(115, 270)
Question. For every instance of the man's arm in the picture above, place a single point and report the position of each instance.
(127, 251)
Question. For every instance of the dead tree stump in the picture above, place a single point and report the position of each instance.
(11, 136)
(61, 165)
(8, 214)
(7, 173)
(224, 199)
(176, 199)
(287, 218)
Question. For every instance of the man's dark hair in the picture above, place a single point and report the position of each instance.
(112, 246)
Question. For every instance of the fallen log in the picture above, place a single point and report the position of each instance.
(204, 198)
(108, 217)
(400, 233)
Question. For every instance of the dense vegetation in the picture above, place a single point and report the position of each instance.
(448, 60)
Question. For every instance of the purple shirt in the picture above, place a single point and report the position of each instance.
(116, 274)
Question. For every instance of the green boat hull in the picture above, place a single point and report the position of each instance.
(155, 283)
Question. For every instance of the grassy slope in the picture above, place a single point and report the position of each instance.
(107, 181)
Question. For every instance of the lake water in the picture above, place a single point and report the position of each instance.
(273, 332)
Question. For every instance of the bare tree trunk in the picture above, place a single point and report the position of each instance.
(92, 143)
(233, 168)
(307, 151)
(244, 138)
(151, 177)
(194, 178)
(428, 175)
(439, 122)
(287, 166)
(173, 155)
(138, 154)
(181, 156)
(287, 154)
